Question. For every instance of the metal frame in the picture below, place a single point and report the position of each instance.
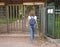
(53, 15)
(11, 9)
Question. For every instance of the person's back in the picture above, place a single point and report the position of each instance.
(32, 23)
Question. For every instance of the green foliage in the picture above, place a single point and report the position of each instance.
(28, 8)
(5, 20)
(58, 7)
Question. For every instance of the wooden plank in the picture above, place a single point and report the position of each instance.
(14, 4)
(33, 3)
(2, 3)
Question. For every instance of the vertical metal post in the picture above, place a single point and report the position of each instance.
(43, 19)
(11, 16)
(25, 28)
(7, 18)
(46, 22)
(19, 19)
(39, 18)
(16, 18)
(53, 21)
(23, 19)
(13, 19)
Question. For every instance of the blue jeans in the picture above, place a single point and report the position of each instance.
(32, 31)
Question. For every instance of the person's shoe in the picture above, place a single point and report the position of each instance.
(32, 41)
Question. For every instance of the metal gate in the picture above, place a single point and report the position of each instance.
(14, 15)
(40, 13)
(13, 18)
(3, 19)
(26, 14)
(51, 20)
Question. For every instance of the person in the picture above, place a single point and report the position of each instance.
(32, 24)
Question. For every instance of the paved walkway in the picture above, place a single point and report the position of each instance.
(23, 41)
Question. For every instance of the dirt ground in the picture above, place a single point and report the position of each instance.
(24, 41)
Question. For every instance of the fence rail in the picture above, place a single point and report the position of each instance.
(57, 11)
(54, 24)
